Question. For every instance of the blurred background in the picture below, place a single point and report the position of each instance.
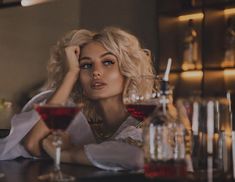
(197, 34)
(27, 34)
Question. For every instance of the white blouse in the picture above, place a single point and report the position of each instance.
(120, 152)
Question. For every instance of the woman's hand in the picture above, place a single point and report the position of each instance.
(32, 140)
(50, 148)
(72, 55)
(63, 92)
(69, 152)
(48, 142)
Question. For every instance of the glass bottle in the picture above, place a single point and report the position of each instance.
(164, 145)
(229, 54)
(208, 148)
(218, 142)
(190, 48)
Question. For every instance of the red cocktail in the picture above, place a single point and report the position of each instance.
(57, 118)
(140, 111)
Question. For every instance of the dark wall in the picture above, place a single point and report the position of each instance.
(137, 16)
(27, 34)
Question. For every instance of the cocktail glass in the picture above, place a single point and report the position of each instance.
(57, 118)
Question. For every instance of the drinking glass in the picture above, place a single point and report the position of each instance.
(148, 99)
(141, 95)
(164, 149)
(57, 118)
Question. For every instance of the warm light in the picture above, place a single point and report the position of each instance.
(192, 74)
(187, 66)
(228, 63)
(229, 72)
(190, 16)
(33, 2)
(229, 78)
(216, 137)
(191, 66)
(229, 11)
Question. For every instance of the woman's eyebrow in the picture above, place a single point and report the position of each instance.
(102, 55)
(85, 57)
(107, 53)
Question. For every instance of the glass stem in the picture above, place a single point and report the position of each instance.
(57, 143)
(57, 159)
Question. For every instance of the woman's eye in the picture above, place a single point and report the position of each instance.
(108, 62)
(85, 66)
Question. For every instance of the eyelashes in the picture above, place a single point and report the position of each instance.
(108, 62)
(85, 65)
(90, 65)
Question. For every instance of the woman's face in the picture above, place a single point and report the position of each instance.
(100, 76)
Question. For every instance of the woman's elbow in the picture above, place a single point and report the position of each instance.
(137, 161)
(32, 147)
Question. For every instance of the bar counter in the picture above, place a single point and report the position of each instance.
(27, 170)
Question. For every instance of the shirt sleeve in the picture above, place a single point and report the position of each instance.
(122, 153)
(80, 131)
(21, 124)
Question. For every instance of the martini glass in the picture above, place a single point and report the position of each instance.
(57, 118)
(141, 95)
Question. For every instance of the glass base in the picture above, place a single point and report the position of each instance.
(56, 176)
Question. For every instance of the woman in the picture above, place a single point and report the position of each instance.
(91, 68)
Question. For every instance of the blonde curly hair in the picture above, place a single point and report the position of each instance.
(133, 60)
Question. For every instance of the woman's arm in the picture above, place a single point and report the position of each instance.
(40, 130)
(121, 153)
(63, 92)
(69, 152)
(32, 140)
(110, 155)
(61, 95)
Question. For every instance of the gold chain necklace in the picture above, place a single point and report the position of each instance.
(99, 133)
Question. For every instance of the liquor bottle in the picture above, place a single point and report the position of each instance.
(218, 142)
(223, 148)
(230, 135)
(229, 54)
(164, 146)
(190, 48)
(195, 128)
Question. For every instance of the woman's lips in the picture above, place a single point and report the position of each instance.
(98, 85)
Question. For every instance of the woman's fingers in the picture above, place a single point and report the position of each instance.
(73, 49)
(77, 51)
(72, 56)
(49, 143)
(66, 140)
(48, 146)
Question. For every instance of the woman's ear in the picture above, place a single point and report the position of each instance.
(147, 52)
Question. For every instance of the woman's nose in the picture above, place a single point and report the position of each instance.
(97, 71)
(96, 74)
